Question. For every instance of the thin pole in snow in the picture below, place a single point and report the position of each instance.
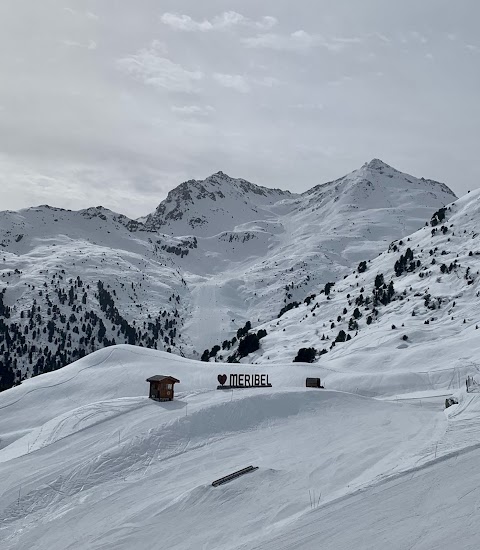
(436, 450)
(19, 490)
(310, 496)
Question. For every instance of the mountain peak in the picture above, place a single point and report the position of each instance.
(377, 164)
(218, 177)
(208, 206)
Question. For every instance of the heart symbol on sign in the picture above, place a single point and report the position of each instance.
(222, 378)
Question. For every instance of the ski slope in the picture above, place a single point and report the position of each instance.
(432, 507)
(88, 461)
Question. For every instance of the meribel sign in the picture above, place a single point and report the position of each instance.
(243, 381)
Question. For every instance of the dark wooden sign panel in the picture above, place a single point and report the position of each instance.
(313, 383)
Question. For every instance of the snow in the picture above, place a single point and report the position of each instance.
(435, 506)
(435, 333)
(88, 461)
(235, 267)
(372, 461)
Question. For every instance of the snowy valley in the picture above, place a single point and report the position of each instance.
(370, 283)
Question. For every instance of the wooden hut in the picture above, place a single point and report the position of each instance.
(161, 387)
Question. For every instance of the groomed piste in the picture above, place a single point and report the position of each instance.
(88, 461)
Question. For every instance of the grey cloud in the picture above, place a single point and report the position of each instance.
(234, 81)
(88, 14)
(152, 68)
(244, 84)
(298, 41)
(91, 45)
(193, 110)
(133, 190)
(225, 21)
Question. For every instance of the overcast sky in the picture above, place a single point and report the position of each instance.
(115, 102)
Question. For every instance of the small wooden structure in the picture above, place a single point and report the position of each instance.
(161, 387)
(313, 383)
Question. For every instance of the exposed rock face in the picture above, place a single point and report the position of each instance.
(207, 207)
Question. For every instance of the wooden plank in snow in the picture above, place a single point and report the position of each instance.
(234, 475)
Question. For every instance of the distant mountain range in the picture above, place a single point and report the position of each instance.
(215, 254)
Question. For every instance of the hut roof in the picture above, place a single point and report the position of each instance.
(160, 377)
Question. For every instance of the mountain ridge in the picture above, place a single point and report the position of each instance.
(75, 281)
(216, 188)
(184, 191)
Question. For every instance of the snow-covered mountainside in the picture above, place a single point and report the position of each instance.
(212, 206)
(421, 295)
(88, 461)
(74, 282)
(372, 461)
(251, 271)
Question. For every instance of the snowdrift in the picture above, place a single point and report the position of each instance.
(88, 461)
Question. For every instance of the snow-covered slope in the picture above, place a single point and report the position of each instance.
(88, 461)
(417, 298)
(373, 461)
(173, 283)
(209, 207)
(252, 270)
(71, 282)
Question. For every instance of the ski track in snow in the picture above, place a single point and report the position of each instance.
(87, 461)
(89, 478)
